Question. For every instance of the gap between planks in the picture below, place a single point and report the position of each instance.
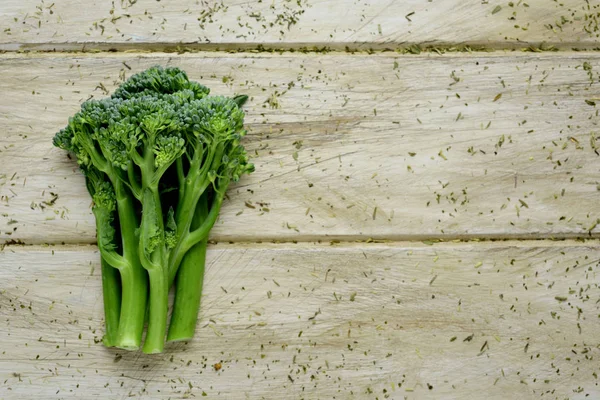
(313, 245)
(303, 48)
(183, 53)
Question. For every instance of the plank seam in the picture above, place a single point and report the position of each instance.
(583, 241)
(305, 48)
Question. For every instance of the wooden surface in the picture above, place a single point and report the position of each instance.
(447, 321)
(337, 24)
(440, 140)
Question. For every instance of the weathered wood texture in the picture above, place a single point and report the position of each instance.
(449, 321)
(346, 147)
(35, 24)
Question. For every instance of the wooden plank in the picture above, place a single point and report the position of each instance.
(345, 147)
(510, 319)
(229, 24)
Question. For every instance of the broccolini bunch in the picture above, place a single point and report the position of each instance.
(158, 157)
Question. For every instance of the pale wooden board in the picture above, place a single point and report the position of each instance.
(44, 24)
(354, 176)
(271, 318)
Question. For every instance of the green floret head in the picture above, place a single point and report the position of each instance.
(167, 149)
(218, 120)
(102, 190)
(159, 80)
(94, 179)
(63, 139)
(155, 239)
(220, 115)
(170, 239)
(67, 140)
(237, 163)
(113, 149)
(105, 197)
(213, 117)
(83, 136)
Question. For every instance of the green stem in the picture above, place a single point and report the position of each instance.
(133, 308)
(180, 177)
(85, 140)
(190, 277)
(111, 282)
(153, 257)
(190, 239)
(105, 237)
(134, 280)
(136, 188)
(111, 292)
(151, 230)
(185, 212)
(159, 307)
(195, 186)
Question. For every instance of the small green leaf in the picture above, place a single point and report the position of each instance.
(171, 224)
(240, 100)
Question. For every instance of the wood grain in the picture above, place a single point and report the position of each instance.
(450, 321)
(345, 147)
(229, 24)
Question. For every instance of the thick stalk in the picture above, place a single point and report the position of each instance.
(134, 289)
(188, 289)
(159, 307)
(134, 280)
(109, 262)
(151, 230)
(152, 226)
(111, 292)
(156, 265)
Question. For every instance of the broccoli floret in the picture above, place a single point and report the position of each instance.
(158, 155)
(158, 80)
